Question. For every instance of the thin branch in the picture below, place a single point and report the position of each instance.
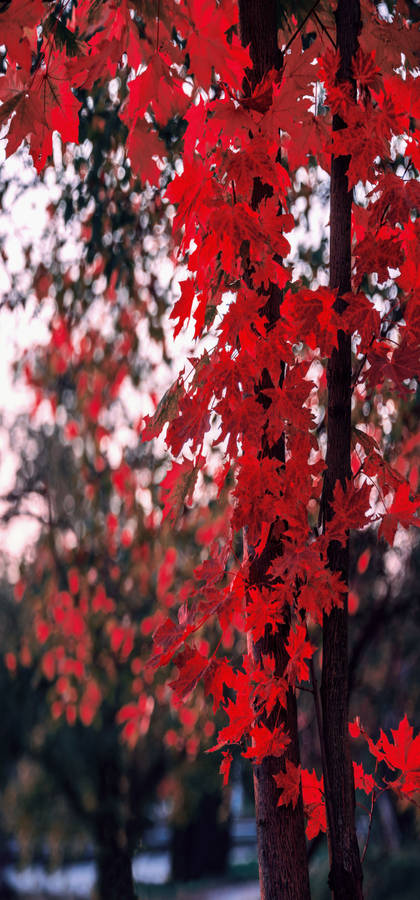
(298, 30)
(358, 373)
(372, 807)
(321, 25)
(300, 687)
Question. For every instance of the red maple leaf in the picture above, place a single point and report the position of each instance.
(208, 47)
(403, 754)
(299, 649)
(313, 803)
(401, 512)
(270, 689)
(225, 765)
(191, 666)
(18, 21)
(266, 743)
(311, 318)
(350, 507)
(289, 784)
(218, 675)
(362, 781)
(183, 306)
(178, 487)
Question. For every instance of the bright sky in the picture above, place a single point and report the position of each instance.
(22, 220)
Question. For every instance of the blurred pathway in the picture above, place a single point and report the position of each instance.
(249, 891)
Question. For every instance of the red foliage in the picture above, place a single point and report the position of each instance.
(230, 246)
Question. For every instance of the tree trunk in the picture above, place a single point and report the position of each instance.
(113, 853)
(115, 878)
(346, 873)
(282, 853)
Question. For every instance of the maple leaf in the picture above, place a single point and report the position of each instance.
(362, 781)
(350, 507)
(18, 21)
(233, 225)
(258, 481)
(208, 48)
(289, 784)
(232, 247)
(403, 754)
(270, 688)
(218, 675)
(191, 425)
(167, 638)
(266, 743)
(287, 410)
(256, 156)
(401, 512)
(265, 607)
(299, 650)
(225, 765)
(166, 411)
(22, 105)
(194, 192)
(241, 718)
(321, 590)
(395, 201)
(365, 70)
(156, 87)
(311, 318)
(378, 254)
(178, 487)
(387, 36)
(313, 803)
(183, 306)
(242, 321)
(47, 104)
(361, 316)
(191, 666)
(143, 144)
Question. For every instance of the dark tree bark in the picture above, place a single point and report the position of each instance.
(346, 874)
(282, 852)
(113, 855)
(115, 879)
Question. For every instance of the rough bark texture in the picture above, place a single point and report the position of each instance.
(282, 853)
(282, 856)
(346, 874)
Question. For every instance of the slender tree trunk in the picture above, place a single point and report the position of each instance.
(282, 855)
(115, 879)
(346, 873)
(113, 855)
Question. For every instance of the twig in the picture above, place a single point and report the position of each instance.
(372, 807)
(356, 376)
(304, 21)
(321, 25)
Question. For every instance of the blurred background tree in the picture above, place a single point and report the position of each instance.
(91, 740)
(104, 568)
